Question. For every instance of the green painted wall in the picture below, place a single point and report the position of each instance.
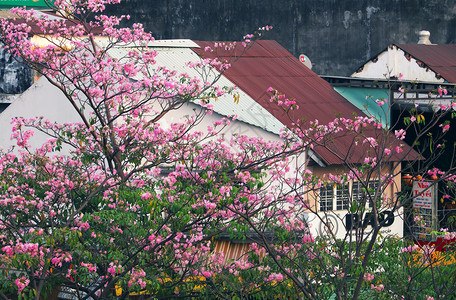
(365, 100)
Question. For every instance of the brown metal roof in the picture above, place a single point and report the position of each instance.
(439, 58)
(267, 64)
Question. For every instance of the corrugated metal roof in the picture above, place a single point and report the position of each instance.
(104, 41)
(267, 64)
(183, 43)
(176, 58)
(439, 58)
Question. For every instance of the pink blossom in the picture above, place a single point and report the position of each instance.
(368, 277)
(377, 288)
(146, 196)
(445, 127)
(21, 284)
(442, 90)
(114, 269)
(275, 277)
(381, 102)
(84, 226)
(400, 134)
(409, 249)
(90, 267)
(206, 274)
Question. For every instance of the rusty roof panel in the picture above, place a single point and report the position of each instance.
(440, 58)
(449, 73)
(267, 64)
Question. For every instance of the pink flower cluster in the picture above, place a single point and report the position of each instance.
(21, 284)
(90, 267)
(368, 277)
(137, 278)
(445, 127)
(61, 257)
(409, 249)
(274, 277)
(377, 288)
(114, 269)
(442, 90)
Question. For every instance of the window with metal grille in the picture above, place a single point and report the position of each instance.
(373, 185)
(359, 195)
(326, 198)
(342, 197)
(338, 196)
(357, 192)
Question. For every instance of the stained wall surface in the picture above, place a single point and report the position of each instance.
(15, 77)
(337, 36)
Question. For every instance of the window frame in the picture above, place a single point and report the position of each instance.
(340, 200)
(324, 204)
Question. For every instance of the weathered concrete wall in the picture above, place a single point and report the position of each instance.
(15, 77)
(338, 36)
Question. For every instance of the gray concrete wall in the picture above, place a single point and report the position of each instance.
(338, 36)
(15, 77)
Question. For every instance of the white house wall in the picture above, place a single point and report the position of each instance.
(337, 220)
(236, 127)
(45, 100)
(41, 99)
(392, 63)
(176, 54)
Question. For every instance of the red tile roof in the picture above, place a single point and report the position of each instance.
(267, 64)
(439, 58)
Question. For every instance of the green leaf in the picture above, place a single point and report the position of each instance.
(354, 207)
